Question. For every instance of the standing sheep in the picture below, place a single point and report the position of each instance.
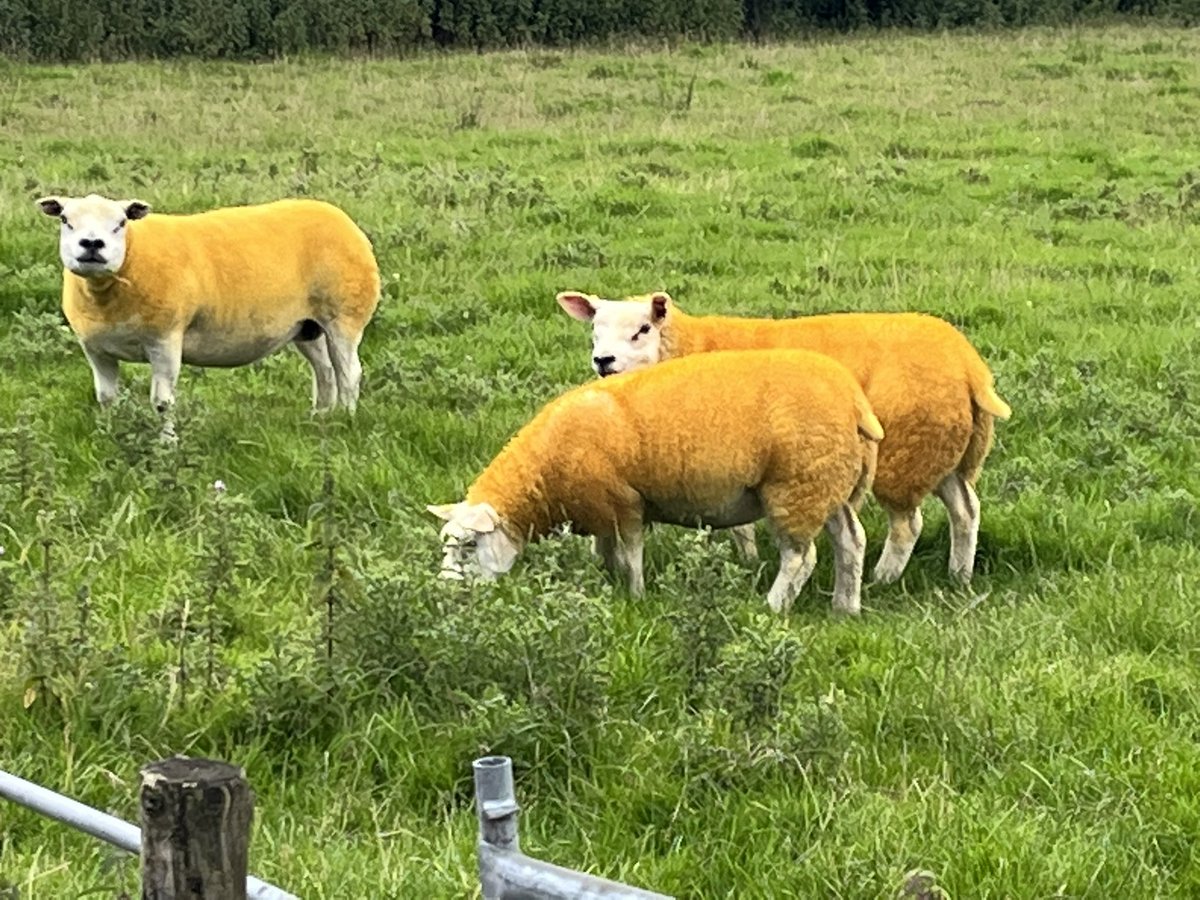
(720, 441)
(932, 392)
(220, 288)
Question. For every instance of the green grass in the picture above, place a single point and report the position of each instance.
(1034, 737)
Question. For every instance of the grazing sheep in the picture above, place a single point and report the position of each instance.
(220, 288)
(719, 440)
(932, 392)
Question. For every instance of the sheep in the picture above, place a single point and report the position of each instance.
(932, 392)
(719, 441)
(220, 288)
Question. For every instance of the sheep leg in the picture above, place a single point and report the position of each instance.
(165, 358)
(849, 549)
(623, 555)
(743, 537)
(962, 505)
(605, 546)
(324, 391)
(797, 559)
(104, 374)
(629, 552)
(904, 527)
(343, 354)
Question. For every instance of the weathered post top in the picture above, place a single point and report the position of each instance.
(196, 817)
(194, 770)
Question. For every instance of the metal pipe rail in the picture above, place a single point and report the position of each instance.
(508, 874)
(100, 825)
(504, 871)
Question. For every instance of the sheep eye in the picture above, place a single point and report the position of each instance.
(120, 225)
(63, 219)
(645, 329)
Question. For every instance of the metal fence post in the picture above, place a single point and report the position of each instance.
(506, 873)
(496, 804)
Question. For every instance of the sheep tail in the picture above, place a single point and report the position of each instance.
(983, 391)
(868, 424)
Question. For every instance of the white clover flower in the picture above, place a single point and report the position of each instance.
(219, 486)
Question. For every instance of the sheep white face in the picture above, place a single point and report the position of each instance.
(473, 544)
(91, 240)
(626, 334)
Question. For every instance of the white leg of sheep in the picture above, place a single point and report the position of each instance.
(962, 505)
(165, 357)
(343, 354)
(743, 537)
(104, 374)
(849, 549)
(622, 554)
(325, 390)
(796, 564)
(903, 530)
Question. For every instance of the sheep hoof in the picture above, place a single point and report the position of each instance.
(887, 572)
(962, 577)
(779, 605)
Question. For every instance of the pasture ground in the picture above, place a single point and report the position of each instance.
(1033, 737)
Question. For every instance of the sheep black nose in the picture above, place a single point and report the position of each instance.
(603, 363)
(88, 244)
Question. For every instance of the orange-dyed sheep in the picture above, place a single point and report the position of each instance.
(720, 440)
(219, 288)
(932, 392)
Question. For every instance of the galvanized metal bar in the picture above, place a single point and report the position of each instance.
(515, 876)
(100, 825)
(507, 874)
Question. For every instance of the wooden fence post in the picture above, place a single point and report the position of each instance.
(195, 830)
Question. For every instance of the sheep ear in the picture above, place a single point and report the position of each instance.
(479, 517)
(659, 304)
(444, 511)
(51, 206)
(136, 209)
(577, 306)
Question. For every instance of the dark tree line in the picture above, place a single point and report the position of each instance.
(62, 30)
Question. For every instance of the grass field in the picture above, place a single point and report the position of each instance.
(1036, 736)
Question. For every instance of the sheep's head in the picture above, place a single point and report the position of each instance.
(91, 240)
(473, 543)
(626, 334)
